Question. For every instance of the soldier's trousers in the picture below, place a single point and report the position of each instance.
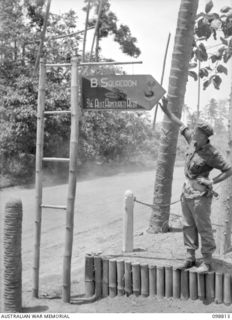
(196, 221)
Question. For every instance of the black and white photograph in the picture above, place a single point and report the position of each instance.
(116, 159)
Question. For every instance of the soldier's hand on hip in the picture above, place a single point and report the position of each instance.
(205, 181)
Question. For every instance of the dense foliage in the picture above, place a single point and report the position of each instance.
(104, 136)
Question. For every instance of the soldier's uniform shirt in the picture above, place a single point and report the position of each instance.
(196, 206)
(200, 161)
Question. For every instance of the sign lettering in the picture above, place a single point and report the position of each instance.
(120, 92)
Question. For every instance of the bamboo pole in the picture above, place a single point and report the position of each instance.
(38, 176)
(58, 65)
(42, 37)
(193, 292)
(98, 276)
(128, 222)
(75, 118)
(110, 63)
(168, 282)
(227, 289)
(198, 91)
(144, 280)
(57, 37)
(210, 286)
(112, 278)
(67, 35)
(152, 280)
(98, 283)
(201, 286)
(105, 277)
(176, 283)
(136, 279)
(85, 33)
(96, 27)
(184, 284)
(56, 159)
(57, 112)
(219, 288)
(120, 277)
(91, 64)
(162, 76)
(52, 206)
(160, 282)
(89, 276)
(128, 278)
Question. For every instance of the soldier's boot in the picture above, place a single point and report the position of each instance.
(187, 264)
(206, 265)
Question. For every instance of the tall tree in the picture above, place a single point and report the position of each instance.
(108, 26)
(207, 24)
(176, 92)
(22, 21)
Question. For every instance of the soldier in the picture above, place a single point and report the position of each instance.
(196, 198)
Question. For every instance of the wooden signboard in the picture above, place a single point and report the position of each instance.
(120, 92)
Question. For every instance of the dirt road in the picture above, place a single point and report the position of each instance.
(98, 227)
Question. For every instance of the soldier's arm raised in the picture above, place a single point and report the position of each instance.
(170, 115)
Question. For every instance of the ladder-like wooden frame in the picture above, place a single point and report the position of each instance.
(75, 117)
(39, 205)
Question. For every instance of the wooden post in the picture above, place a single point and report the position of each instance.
(168, 282)
(144, 280)
(38, 176)
(210, 286)
(128, 222)
(89, 276)
(152, 280)
(85, 32)
(42, 36)
(227, 289)
(136, 278)
(176, 283)
(128, 278)
(105, 277)
(120, 277)
(198, 91)
(112, 278)
(219, 288)
(160, 281)
(184, 284)
(193, 292)
(75, 118)
(98, 276)
(12, 260)
(96, 27)
(201, 286)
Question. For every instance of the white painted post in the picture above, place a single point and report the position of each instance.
(128, 222)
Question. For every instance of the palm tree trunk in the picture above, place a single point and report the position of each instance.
(176, 92)
(223, 235)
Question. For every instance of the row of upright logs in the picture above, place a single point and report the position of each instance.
(110, 277)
